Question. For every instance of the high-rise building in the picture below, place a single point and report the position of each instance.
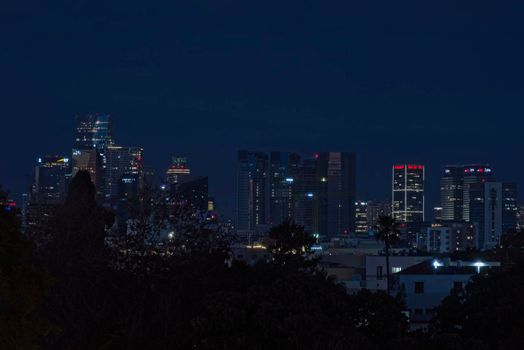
(408, 193)
(50, 183)
(336, 212)
(473, 175)
(361, 217)
(485, 212)
(93, 130)
(91, 161)
(93, 135)
(178, 169)
(192, 190)
(452, 193)
(509, 207)
(251, 190)
(376, 209)
(119, 161)
(282, 172)
(306, 187)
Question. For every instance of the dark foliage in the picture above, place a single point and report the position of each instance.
(387, 230)
(189, 298)
(490, 309)
(22, 286)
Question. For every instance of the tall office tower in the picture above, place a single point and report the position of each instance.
(178, 169)
(192, 190)
(119, 161)
(408, 193)
(93, 130)
(93, 134)
(306, 186)
(283, 169)
(337, 198)
(455, 184)
(473, 174)
(361, 217)
(509, 206)
(90, 160)
(50, 183)
(485, 212)
(452, 193)
(376, 209)
(251, 190)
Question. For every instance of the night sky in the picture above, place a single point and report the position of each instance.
(393, 81)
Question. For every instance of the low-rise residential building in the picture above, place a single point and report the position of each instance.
(426, 284)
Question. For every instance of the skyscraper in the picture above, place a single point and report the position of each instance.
(119, 161)
(485, 212)
(93, 130)
(251, 189)
(376, 209)
(50, 183)
(473, 174)
(336, 172)
(177, 170)
(93, 134)
(408, 193)
(452, 193)
(306, 187)
(192, 190)
(509, 206)
(282, 172)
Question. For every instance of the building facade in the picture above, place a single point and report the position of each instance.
(408, 193)
(252, 186)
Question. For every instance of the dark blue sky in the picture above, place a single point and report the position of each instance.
(431, 82)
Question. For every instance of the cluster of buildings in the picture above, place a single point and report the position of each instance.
(320, 194)
(317, 192)
(117, 171)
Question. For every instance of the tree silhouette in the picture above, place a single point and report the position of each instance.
(387, 230)
(490, 309)
(291, 245)
(22, 286)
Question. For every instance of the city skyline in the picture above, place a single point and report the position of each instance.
(261, 174)
(228, 204)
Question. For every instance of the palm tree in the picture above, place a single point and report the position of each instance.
(387, 230)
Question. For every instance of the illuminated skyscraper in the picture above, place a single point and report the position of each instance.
(93, 135)
(50, 183)
(178, 169)
(119, 161)
(251, 189)
(282, 172)
(485, 212)
(91, 161)
(306, 197)
(509, 206)
(452, 193)
(408, 193)
(473, 174)
(93, 130)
